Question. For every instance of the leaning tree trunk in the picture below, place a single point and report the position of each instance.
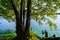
(19, 30)
(27, 34)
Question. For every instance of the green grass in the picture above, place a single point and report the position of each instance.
(8, 35)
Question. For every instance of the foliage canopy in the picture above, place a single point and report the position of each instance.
(41, 9)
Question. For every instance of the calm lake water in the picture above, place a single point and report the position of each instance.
(5, 25)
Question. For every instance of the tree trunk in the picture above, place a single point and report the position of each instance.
(19, 23)
(19, 30)
(23, 12)
(27, 34)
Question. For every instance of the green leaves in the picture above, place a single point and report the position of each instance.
(45, 8)
(58, 1)
(40, 9)
(33, 34)
(6, 4)
(51, 24)
(6, 10)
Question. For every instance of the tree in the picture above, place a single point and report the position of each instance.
(28, 20)
(40, 9)
(19, 24)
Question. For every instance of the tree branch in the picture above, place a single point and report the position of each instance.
(14, 8)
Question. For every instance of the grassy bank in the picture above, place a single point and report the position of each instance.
(8, 35)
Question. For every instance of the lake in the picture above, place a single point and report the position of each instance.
(5, 25)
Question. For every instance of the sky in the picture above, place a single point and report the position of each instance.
(58, 11)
